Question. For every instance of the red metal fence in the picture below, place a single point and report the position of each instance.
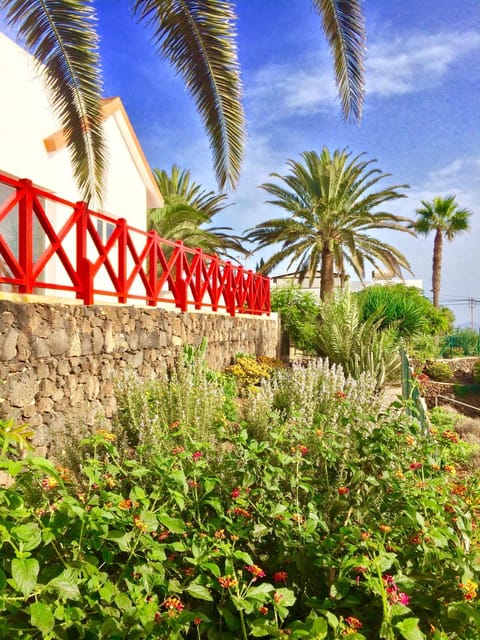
(50, 244)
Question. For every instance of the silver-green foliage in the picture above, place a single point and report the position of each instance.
(358, 346)
(315, 395)
(187, 400)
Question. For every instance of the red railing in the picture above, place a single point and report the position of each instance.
(50, 244)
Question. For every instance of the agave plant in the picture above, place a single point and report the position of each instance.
(359, 346)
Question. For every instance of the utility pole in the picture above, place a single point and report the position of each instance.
(471, 304)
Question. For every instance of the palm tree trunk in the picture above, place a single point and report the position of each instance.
(436, 267)
(326, 273)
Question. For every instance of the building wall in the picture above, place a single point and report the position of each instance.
(59, 362)
(26, 120)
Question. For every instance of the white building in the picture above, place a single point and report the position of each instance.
(286, 279)
(32, 146)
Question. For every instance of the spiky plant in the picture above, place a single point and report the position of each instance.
(358, 346)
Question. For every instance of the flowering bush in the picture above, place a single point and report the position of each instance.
(358, 527)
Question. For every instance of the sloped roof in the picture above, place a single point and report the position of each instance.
(114, 107)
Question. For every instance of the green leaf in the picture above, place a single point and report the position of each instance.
(178, 476)
(175, 525)
(41, 616)
(319, 628)
(241, 604)
(25, 573)
(243, 556)
(66, 588)
(260, 530)
(260, 590)
(28, 535)
(216, 504)
(287, 597)
(209, 485)
(409, 629)
(120, 537)
(262, 628)
(122, 601)
(199, 591)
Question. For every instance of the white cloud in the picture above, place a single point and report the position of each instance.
(400, 65)
(408, 64)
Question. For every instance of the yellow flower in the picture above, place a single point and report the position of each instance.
(106, 435)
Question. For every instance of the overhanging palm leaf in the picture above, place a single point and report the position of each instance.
(198, 38)
(344, 27)
(61, 36)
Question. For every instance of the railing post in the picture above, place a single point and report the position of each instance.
(267, 295)
(153, 267)
(85, 271)
(25, 236)
(239, 288)
(229, 293)
(198, 278)
(84, 265)
(122, 261)
(180, 284)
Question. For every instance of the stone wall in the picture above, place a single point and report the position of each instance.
(58, 362)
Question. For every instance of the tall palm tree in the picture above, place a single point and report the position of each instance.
(198, 38)
(446, 219)
(187, 209)
(332, 210)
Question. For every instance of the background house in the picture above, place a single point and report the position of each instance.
(354, 285)
(33, 146)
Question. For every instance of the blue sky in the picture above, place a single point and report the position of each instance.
(421, 116)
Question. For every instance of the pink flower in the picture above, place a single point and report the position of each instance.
(415, 465)
(256, 571)
(196, 456)
(235, 492)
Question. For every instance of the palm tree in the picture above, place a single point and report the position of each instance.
(198, 38)
(187, 208)
(330, 202)
(445, 218)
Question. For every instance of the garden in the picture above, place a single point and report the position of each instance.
(260, 502)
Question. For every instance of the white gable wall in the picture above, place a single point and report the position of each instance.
(26, 121)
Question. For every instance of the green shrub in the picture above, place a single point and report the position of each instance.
(439, 371)
(462, 342)
(299, 315)
(405, 310)
(425, 347)
(359, 527)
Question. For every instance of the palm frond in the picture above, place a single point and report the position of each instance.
(344, 27)
(62, 38)
(198, 38)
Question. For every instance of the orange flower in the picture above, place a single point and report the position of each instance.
(227, 581)
(139, 524)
